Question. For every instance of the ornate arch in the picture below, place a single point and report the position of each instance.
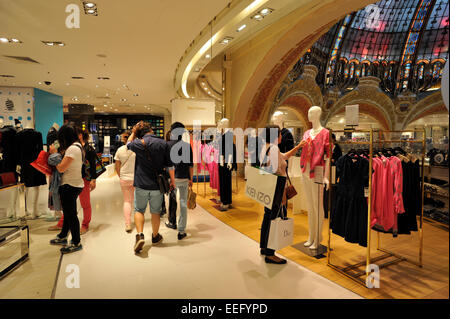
(260, 90)
(371, 100)
(299, 104)
(429, 105)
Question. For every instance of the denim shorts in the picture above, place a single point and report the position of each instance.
(153, 197)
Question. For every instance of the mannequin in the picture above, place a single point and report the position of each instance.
(317, 140)
(225, 158)
(31, 143)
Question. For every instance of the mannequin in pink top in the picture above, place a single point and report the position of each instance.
(315, 157)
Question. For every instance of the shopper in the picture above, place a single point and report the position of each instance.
(184, 173)
(71, 186)
(152, 156)
(89, 179)
(275, 162)
(125, 161)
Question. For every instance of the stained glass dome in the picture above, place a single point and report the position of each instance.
(402, 42)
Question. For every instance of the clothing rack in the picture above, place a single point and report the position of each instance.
(349, 271)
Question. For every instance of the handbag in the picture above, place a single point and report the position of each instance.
(99, 166)
(192, 198)
(281, 233)
(290, 189)
(161, 178)
(173, 206)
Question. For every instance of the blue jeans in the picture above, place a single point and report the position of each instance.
(182, 187)
(154, 198)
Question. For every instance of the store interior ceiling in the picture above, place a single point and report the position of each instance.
(136, 44)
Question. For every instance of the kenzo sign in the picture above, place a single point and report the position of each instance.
(258, 196)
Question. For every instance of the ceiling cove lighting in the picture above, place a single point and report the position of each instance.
(242, 27)
(210, 42)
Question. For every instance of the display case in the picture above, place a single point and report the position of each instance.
(14, 247)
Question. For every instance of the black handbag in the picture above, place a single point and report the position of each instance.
(161, 178)
(173, 207)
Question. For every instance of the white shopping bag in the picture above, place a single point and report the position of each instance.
(264, 188)
(281, 233)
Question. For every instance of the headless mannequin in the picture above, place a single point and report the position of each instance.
(224, 127)
(314, 191)
(31, 193)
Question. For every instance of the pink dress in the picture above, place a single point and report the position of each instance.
(387, 188)
(313, 152)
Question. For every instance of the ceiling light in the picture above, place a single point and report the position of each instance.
(135, 94)
(103, 78)
(197, 70)
(4, 40)
(67, 83)
(208, 56)
(265, 11)
(15, 40)
(226, 40)
(257, 17)
(123, 100)
(91, 11)
(89, 4)
(53, 43)
(61, 44)
(242, 27)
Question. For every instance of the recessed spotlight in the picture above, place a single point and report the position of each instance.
(96, 85)
(107, 94)
(197, 70)
(53, 43)
(105, 105)
(226, 40)
(67, 83)
(208, 56)
(15, 40)
(265, 11)
(77, 77)
(91, 11)
(103, 78)
(242, 27)
(135, 94)
(61, 44)
(257, 17)
(4, 40)
(89, 4)
(123, 100)
(39, 83)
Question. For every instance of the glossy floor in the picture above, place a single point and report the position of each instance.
(214, 261)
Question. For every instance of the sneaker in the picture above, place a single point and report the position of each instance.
(140, 241)
(55, 227)
(128, 228)
(58, 241)
(83, 230)
(170, 225)
(157, 239)
(71, 248)
(181, 236)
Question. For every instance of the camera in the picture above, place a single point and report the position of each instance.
(47, 82)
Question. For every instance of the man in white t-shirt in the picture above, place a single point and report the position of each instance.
(124, 165)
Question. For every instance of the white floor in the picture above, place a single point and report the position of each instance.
(214, 261)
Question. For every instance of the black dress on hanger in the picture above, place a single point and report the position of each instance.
(8, 149)
(349, 213)
(29, 145)
(224, 172)
(412, 196)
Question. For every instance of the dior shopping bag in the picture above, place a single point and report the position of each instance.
(264, 187)
(281, 233)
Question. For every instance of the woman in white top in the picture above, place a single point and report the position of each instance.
(125, 160)
(71, 186)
